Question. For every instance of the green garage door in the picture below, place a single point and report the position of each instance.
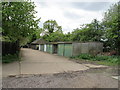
(61, 49)
(47, 48)
(68, 50)
(51, 49)
(42, 47)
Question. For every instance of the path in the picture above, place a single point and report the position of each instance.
(37, 62)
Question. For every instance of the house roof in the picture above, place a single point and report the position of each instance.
(64, 42)
(39, 41)
(42, 41)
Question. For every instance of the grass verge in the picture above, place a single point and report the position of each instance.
(101, 59)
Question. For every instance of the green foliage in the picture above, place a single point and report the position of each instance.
(102, 58)
(52, 31)
(51, 26)
(68, 37)
(83, 56)
(36, 34)
(54, 37)
(88, 32)
(18, 20)
(111, 25)
(10, 58)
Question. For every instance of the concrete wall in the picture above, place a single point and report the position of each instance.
(95, 48)
(90, 47)
(76, 49)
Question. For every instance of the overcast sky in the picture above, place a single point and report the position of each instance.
(70, 15)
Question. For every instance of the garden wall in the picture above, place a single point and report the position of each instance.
(89, 47)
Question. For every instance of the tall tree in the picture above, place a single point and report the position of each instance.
(52, 31)
(111, 23)
(18, 20)
(51, 26)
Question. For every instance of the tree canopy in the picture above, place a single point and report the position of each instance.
(18, 20)
(88, 32)
(111, 25)
(52, 31)
(51, 26)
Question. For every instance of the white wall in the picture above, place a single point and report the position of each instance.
(39, 47)
(45, 47)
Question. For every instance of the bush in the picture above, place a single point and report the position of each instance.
(85, 56)
(101, 58)
(109, 59)
(10, 58)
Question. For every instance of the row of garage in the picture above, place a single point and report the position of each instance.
(62, 49)
(69, 49)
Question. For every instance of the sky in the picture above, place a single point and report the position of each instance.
(71, 14)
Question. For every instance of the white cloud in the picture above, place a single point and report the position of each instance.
(66, 15)
(75, 0)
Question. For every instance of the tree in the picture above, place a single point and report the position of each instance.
(111, 23)
(18, 20)
(54, 37)
(0, 15)
(36, 34)
(88, 32)
(51, 26)
(52, 31)
(68, 37)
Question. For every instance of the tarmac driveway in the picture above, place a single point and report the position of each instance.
(37, 62)
(57, 72)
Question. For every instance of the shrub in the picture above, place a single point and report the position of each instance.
(10, 58)
(109, 59)
(101, 58)
(85, 56)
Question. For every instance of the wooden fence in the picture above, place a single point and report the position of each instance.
(10, 47)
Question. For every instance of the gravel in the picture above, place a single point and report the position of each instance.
(93, 78)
